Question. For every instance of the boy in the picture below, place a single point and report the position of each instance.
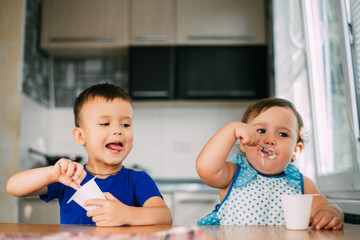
(103, 125)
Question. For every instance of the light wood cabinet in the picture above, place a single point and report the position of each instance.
(152, 22)
(214, 22)
(84, 27)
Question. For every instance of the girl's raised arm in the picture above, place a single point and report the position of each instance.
(211, 163)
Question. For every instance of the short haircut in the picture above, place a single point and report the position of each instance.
(104, 90)
(264, 104)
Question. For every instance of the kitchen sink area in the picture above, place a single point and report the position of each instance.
(188, 200)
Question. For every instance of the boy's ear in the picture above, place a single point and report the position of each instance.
(78, 135)
(299, 147)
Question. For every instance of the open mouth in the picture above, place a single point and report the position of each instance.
(115, 146)
(264, 150)
(269, 153)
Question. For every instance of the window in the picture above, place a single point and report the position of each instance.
(333, 96)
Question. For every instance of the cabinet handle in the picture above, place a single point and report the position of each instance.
(150, 93)
(82, 39)
(202, 201)
(221, 38)
(152, 38)
(219, 93)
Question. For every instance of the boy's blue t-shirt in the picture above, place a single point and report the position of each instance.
(131, 187)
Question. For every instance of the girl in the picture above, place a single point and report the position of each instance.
(250, 186)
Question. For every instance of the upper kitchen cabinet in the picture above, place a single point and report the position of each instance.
(214, 22)
(84, 27)
(152, 22)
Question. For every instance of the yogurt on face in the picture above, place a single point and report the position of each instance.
(271, 157)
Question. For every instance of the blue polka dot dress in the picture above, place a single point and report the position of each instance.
(253, 198)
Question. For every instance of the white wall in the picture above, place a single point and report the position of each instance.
(35, 132)
(168, 135)
(11, 25)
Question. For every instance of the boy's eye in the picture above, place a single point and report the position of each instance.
(125, 125)
(104, 124)
(261, 131)
(283, 134)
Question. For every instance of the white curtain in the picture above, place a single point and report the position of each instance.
(291, 73)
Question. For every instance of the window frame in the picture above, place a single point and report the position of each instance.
(343, 184)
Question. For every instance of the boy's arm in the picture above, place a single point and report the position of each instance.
(211, 163)
(154, 211)
(30, 182)
(112, 212)
(35, 181)
(324, 214)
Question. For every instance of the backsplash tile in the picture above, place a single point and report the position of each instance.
(72, 76)
(36, 74)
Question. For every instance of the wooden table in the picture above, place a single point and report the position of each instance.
(37, 231)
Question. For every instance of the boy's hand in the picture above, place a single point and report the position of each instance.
(66, 171)
(328, 219)
(111, 212)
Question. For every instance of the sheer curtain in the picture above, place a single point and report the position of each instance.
(291, 72)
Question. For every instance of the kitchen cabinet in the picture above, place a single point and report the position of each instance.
(152, 22)
(188, 200)
(34, 210)
(232, 72)
(152, 74)
(199, 72)
(214, 22)
(84, 27)
(188, 208)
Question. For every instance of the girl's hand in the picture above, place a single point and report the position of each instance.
(108, 212)
(65, 171)
(327, 218)
(247, 134)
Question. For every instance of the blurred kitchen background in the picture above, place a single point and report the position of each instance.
(190, 66)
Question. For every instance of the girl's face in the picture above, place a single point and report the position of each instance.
(278, 129)
(106, 131)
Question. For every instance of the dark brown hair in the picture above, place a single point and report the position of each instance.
(264, 104)
(105, 90)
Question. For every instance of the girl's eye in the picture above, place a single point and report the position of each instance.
(104, 124)
(283, 134)
(261, 131)
(125, 125)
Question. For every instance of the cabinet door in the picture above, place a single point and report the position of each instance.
(220, 22)
(152, 22)
(230, 72)
(33, 210)
(151, 72)
(88, 27)
(188, 208)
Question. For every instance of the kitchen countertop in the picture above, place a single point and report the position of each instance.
(183, 185)
(157, 232)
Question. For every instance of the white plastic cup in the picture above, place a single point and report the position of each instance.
(297, 210)
(87, 191)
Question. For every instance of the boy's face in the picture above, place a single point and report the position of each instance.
(278, 129)
(106, 130)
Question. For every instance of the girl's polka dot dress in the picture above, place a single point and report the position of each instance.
(253, 198)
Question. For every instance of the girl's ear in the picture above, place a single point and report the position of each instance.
(299, 147)
(78, 135)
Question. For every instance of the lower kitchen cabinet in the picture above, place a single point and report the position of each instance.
(33, 210)
(188, 207)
